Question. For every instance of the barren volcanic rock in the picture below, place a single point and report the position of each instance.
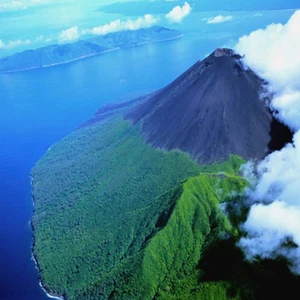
(211, 111)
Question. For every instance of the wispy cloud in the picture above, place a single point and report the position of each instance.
(13, 44)
(273, 221)
(25, 4)
(218, 19)
(74, 33)
(178, 13)
(14, 5)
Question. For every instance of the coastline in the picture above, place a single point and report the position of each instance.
(89, 56)
(163, 40)
(61, 63)
(34, 258)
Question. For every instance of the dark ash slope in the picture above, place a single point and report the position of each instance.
(211, 111)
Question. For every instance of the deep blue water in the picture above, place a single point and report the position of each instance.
(40, 107)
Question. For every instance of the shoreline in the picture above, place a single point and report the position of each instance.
(61, 63)
(49, 295)
(33, 256)
(88, 56)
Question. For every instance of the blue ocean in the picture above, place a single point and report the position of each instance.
(39, 107)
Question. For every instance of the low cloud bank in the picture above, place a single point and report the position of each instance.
(118, 25)
(273, 225)
(74, 33)
(178, 13)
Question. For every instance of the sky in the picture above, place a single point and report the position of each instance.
(29, 24)
(36, 23)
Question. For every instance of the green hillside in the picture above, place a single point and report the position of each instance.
(114, 216)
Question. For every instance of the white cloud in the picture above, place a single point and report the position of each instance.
(177, 14)
(118, 25)
(13, 44)
(69, 35)
(74, 33)
(269, 229)
(219, 19)
(274, 54)
(274, 219)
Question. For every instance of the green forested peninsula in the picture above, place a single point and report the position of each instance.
(115, 216)
(117, 219)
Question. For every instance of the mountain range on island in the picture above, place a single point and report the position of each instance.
(65, 53)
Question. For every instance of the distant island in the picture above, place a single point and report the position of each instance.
(61, 54)
(145, 200)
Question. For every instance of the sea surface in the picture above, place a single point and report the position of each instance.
(40, 107)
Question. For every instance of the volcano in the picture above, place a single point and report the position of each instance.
(128, 206)
(211, 111)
